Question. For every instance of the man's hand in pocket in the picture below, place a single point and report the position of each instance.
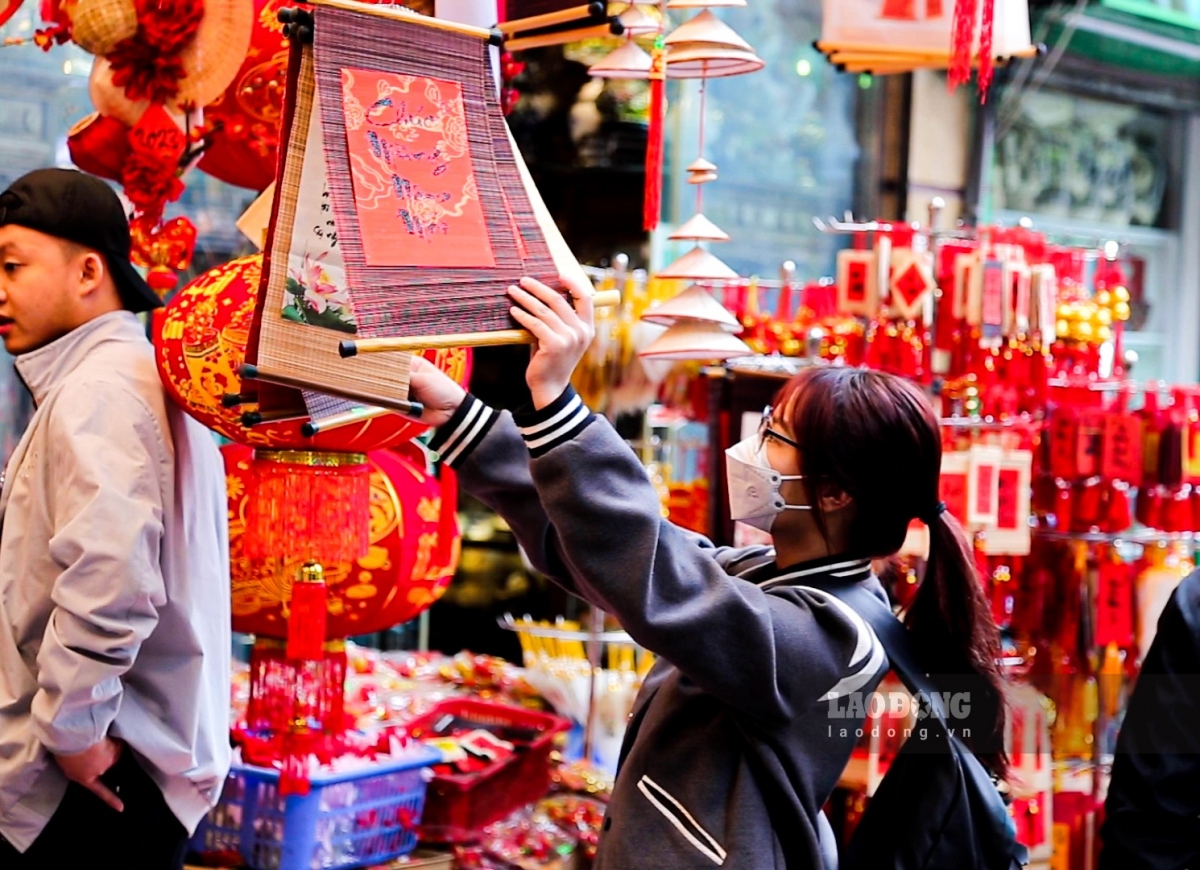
(88, 766)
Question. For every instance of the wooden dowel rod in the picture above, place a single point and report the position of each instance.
(353, 347)
(560, 38)
(434, 342)
(399, 13)
(874, 67)
(852, 51)
(549, 19)
(250, 419)
(317, 425)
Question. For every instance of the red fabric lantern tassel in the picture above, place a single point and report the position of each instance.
(306, 623)
(652, 205)
(987, 63)
(962, 40)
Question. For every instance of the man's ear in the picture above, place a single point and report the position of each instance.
(92, 270)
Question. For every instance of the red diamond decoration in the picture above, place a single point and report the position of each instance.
(911, 285)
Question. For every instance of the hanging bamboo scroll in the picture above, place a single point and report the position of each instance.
(403, 208)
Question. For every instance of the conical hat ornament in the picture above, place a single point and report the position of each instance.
(701, 172)
(629, 61)
(696, 340)
(706, 28)
(698, 265)
(706, 47)
(695, 303)
(636, 22)
(698, 228)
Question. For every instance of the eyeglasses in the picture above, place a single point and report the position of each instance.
(765, 431)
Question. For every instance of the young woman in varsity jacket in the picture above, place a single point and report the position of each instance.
(739, 734)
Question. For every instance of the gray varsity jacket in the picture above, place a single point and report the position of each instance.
(737, 737)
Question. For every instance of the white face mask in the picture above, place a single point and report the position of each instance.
(754, 497)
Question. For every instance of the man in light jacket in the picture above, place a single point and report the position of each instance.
(114, 566)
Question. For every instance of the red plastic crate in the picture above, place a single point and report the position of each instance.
(458, 806)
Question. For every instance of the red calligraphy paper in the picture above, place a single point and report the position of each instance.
(993, 299)
(984, 485)
(1122, 448)
(1008, 513)
(856, 286)
(953, 486)
(1114, 605)
(1089, 443)
(1062, 446)
(414, 185)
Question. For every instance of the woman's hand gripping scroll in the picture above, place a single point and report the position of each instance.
(562, 333)
(437, 391)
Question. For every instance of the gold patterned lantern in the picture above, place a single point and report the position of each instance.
(412, 555)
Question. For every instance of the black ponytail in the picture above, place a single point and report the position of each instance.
(951, 623)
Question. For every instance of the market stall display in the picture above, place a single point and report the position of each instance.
(1079, 486)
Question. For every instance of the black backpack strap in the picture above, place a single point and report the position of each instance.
(896, 643)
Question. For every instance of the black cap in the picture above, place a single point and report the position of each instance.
(80, 208)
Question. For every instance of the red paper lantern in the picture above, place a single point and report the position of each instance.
(200, 340)
(245, 119)
(414, 546)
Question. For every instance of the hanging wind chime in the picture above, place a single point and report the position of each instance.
(699, 327)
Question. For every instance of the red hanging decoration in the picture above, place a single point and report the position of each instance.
(987, 60)
(148, 65)
(962, 40)
(306, 622)
(282, 690)
(309, 505)
(652, 205)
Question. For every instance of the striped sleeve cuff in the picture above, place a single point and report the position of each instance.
(555, 424)
(458, 436)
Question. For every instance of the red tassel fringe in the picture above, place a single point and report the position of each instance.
(296, 715)
(987, 62)
(962, 40)
(311, 513)
(652, 205)
(283, 690)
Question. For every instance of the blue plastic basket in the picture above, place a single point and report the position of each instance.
(365, 816)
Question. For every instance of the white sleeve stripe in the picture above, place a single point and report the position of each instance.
(530, 431)
(866, 637)
(857, 680)
(471, 436)
(711, 850)
(459, 430)
(580, 415)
